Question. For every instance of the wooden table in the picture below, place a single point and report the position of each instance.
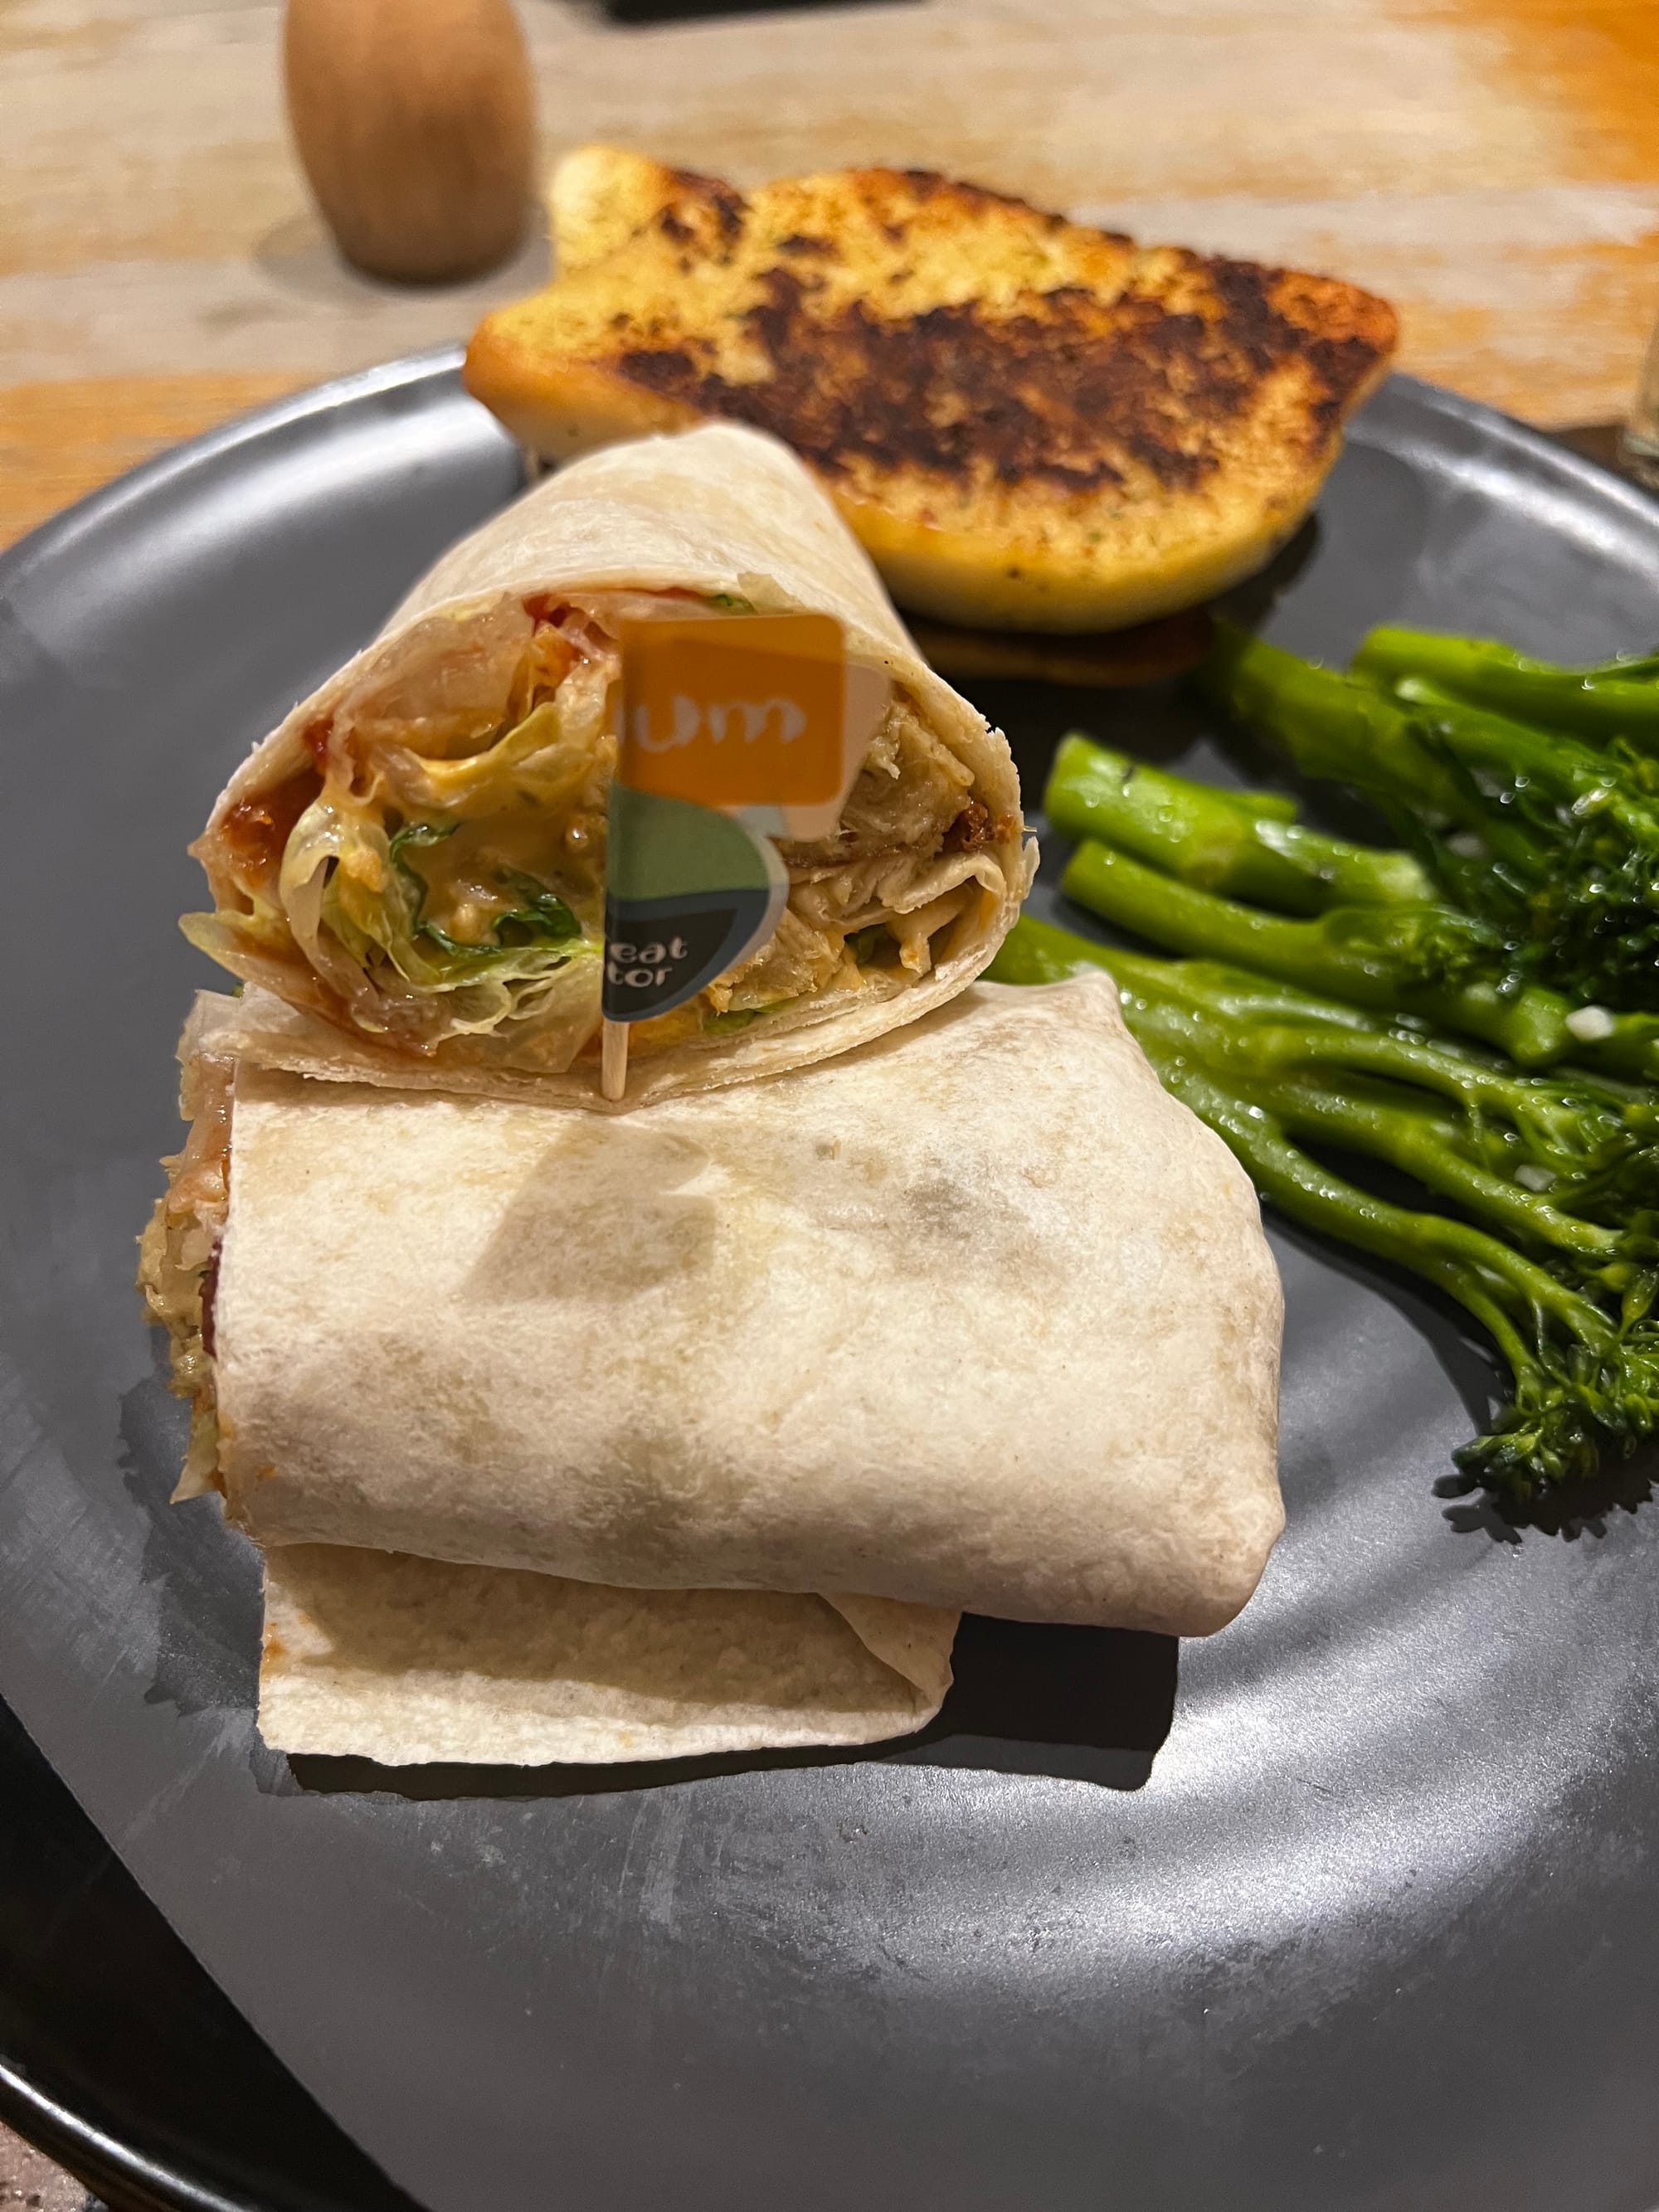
(29, 2183)
(1492, 166)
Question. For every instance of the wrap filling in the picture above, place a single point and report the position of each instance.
(432, 870)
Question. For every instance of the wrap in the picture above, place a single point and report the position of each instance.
(415, 859)
(976, 1317)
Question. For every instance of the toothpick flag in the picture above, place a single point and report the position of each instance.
(736, 731)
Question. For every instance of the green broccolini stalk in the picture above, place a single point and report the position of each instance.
(1337, 729)
(1249, 843)
(1553, 842)
(1430, 964)
(1581, 1386)
(1227, 842)
(1614, 699)
(1592, 1144)
(1557, 1172)
(1537, 1159)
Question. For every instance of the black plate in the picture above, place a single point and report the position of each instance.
(121, 2057)
(1351, 1907)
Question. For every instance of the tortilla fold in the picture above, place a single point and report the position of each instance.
(973, 1317)
(413, 861)
(379, 1655)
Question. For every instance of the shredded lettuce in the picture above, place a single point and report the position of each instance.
(467, 944)
(419, 833)
(437, 892)
(357, 905)
(543, 919)
(546, 759)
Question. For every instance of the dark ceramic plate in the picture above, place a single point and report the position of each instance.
(1353, 1908)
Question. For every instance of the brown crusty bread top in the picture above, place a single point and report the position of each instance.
(1028, 422)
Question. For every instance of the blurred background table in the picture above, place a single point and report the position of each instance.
(1492, 166)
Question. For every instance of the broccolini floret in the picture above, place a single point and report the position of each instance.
(1553, 842)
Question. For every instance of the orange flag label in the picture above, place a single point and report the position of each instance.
(729, 714)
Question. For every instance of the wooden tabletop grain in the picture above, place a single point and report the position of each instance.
(1492, 166)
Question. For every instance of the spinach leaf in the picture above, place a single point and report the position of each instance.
(419, 833)
(542, 918)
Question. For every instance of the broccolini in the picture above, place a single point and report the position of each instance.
(1551, 841)
(1614, 699)
(1431, 962)
(1249, 843)
(1560, 1262)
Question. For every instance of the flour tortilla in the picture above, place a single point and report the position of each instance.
(972, 1317)
(718, 510)
(401, 1659)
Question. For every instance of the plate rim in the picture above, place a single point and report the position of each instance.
(127, 2178)
(174, 463)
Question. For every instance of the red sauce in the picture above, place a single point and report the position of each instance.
(255, 830)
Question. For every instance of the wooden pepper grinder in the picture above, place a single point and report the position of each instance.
(416, 124)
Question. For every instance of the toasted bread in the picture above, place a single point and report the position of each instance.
(1029, 424)
(600, 198)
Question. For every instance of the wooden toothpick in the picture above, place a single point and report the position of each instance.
(613, 1059)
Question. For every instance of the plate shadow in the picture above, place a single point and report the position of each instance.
(1077, 1705)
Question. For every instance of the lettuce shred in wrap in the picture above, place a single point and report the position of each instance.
(433, 875)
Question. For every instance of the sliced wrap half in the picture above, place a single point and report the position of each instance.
(973, 1317)
(414, 861)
